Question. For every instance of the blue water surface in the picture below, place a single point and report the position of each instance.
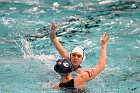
(27, 55)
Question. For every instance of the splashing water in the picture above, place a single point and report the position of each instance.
(29, 54)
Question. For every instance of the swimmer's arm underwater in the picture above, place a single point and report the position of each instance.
(55, 86)
(62, 51)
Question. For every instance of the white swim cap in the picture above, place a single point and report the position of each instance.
(79, 50)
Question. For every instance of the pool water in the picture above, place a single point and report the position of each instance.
(28, 56)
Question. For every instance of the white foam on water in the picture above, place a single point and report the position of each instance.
(29, 54)
(56, 4)
(107, 1)
(4, 0)
(42, 57)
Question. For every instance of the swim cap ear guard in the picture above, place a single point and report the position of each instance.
(63, 66)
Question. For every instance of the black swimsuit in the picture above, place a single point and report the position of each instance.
(69, 84)
(68, 87)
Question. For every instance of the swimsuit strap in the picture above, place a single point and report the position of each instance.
(69, 84)
(77, 67)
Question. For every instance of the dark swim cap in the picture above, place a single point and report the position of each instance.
(63, 66)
